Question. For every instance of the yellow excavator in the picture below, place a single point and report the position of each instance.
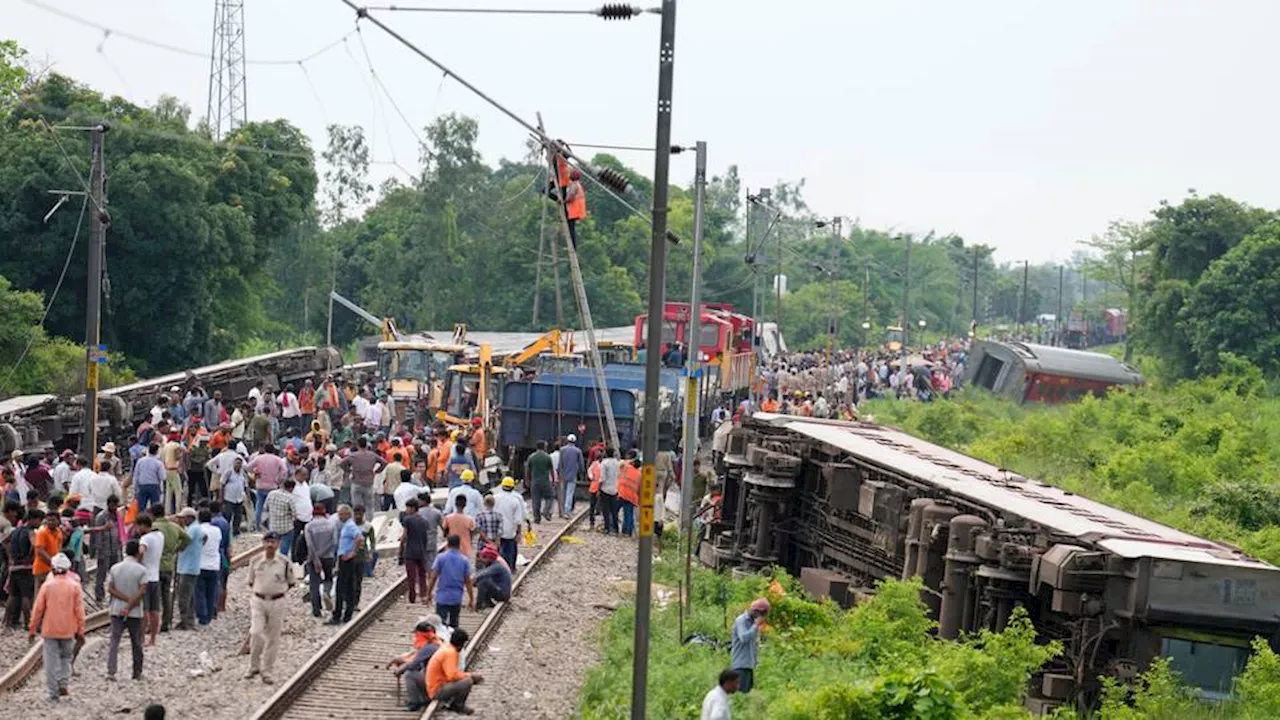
(555, 342)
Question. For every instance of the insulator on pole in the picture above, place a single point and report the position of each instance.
(612, 179)
(673, 238)
(618, 11)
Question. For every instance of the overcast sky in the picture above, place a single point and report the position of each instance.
(1026, 125)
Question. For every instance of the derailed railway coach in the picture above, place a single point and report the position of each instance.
(1041, 373)
(844, 504)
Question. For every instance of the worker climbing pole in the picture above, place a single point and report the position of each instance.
(568, 212)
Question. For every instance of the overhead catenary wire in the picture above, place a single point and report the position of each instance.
(52, 296)
(608, 11)
(363, 14)
(169, 47)
(84, 186)
(378, 80)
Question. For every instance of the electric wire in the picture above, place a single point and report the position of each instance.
(84, 185)
(70, 17)
(84, 203)
(489, 11)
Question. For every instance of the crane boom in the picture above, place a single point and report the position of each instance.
(386, 325)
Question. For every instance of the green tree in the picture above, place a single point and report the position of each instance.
(1235, 306)
(1119, 263)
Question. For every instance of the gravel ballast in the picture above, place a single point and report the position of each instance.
(534, 664)
(192, 673)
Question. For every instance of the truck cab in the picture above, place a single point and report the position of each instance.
(413, 374)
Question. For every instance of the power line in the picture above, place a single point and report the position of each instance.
(54, 296)
(79, 178)
(378, 79)
(611, 11)
(168, 47)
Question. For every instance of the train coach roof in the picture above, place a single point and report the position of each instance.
(180, 378)
(18, 403)
(1074, 363)
(986, 485)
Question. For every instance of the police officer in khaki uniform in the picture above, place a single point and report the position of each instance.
(270, 577)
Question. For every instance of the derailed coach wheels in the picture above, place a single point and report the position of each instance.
(10, 440)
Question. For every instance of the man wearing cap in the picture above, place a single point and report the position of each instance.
(510, 505)
(571, 468)
(59, 616)
(270, 578)
(110, 462)
(744, 648)
(188, 567)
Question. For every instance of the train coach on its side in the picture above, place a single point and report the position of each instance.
(845, 504)
(1041, 373)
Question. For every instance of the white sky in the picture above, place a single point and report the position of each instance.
(1026, 125)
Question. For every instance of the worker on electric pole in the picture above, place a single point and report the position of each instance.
(575, 204)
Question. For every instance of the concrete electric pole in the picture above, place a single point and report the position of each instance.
(94, 354)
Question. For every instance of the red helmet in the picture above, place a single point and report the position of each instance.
(576, 175)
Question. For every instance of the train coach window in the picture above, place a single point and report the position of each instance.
(1210, 667)
(988, 372)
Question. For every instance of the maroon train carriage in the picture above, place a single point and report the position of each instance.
(1040, 373)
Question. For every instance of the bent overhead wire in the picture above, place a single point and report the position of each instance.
(610, 11)
(168, 47)
(362, 13)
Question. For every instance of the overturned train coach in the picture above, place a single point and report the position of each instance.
(846, 504)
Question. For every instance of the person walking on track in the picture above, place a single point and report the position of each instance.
(270, 578)
(59, 616)
(127, 586)
(541, 474)
(451, 571)
(510, 505)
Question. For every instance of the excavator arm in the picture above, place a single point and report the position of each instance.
(554, 341)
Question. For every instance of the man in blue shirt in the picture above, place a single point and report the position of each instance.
(189, 569)
(148, 477)
(451, 571)
(571, 466)
(224, 551)
(744, 648)
(349, 536)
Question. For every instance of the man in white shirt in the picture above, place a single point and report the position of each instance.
(303, 509)
(510, 505)
(62, 472)
(407, 490)
(715, 705)
(222, 462)
(82, 477)
(290, 414)
(361, 405)
(255, 396)
(152, 543)
(101, 486)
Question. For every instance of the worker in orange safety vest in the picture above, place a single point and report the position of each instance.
(576, 204)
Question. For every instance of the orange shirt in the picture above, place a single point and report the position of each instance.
(60, 607)
(769, 406)
(219, 441)
(51, 541)
(462, 525)
(442, 669)
(478, 444)
(398, 454)
(442, 458)
(593, 472)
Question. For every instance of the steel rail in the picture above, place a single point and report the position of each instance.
(476, 645)
(32, 661)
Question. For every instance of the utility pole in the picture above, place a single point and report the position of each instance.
(1057, 324)
(974, 325)
(831, 278)
(693, 372)
(777, 286)
(906, 305)
(866, 299)
(93, 353)
(653, 360)
(537, 276)
(1022, 310)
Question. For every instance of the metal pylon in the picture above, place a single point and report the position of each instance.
(228, 96)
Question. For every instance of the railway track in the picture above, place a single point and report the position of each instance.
(33, 660)
(348, 677)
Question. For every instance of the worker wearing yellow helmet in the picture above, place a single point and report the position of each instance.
(460, 459)
(510, 505)
(466, 489)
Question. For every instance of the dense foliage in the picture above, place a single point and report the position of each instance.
(877, 660)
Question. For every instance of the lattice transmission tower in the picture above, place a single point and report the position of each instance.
(227, 93)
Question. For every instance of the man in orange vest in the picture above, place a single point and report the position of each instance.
(576, 204)
(629, 492)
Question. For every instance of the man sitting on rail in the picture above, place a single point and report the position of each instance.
(412, 666)
(493, 580)
(446, 684)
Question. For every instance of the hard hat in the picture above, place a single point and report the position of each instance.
(468, 476)
(508, 482)
(761, 606)
(572, 438)
(453, 435)
(476, 421)
(576, 175)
